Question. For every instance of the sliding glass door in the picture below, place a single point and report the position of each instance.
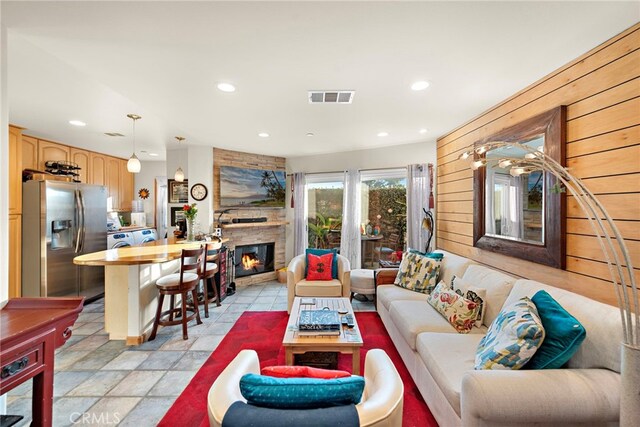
(324, 210)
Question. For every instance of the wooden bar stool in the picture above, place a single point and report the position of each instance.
(183, 283)
(209, 270)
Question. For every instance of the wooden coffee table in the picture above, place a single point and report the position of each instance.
(348, 342)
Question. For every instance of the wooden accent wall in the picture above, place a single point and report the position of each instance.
(602, 92)
(250, 235)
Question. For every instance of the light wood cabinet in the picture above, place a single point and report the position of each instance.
(15, 170)
(113, 181)
(83, 159)
(98, 169)
(50, 151)
(15, 256)
(29, 152)
(126, 187)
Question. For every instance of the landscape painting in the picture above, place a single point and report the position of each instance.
(242, 187)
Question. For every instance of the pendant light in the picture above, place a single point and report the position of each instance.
(133, 165)
(179, 175)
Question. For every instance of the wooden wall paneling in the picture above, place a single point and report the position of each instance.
(83, 159)
(51, 151)
(29, 152)
(602, 91)
(15, 170)
(15, 256)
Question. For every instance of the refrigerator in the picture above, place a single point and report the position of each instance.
(62, 220)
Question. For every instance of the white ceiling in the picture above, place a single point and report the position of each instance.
(98, 61)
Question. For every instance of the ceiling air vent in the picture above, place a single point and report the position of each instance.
(331, 96)
(113, 134)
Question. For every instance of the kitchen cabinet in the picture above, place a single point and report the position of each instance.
(51, 151)
(98, 169)
(83, 159)
(125, 193)
(15, 256)
(15, 170)
(113, 181)
(29, 152)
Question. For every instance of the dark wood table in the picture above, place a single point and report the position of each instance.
(30, 331)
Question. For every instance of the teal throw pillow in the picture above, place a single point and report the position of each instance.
(564, 334)
(433, 255)
(300, 393)
(334, 265)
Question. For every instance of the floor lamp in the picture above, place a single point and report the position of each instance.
(612, 245)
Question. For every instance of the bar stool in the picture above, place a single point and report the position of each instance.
(182, 284)
(209, 270)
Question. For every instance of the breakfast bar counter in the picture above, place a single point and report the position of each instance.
(130, 295)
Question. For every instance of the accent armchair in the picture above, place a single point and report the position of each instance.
(298, 286)
(381, 404)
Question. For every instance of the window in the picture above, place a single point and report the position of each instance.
(324, 210)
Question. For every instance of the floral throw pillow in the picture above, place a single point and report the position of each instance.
(473, 293)
(418, 273)
(458, 310)
(513, 337)
(319, 266)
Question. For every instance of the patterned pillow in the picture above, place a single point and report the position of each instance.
(473, 293)
(458, 311)
(418, 273)
(319, 267)
(512, 339)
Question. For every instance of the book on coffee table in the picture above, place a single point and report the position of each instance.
(319, 320)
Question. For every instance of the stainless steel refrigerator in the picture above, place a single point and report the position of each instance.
(61, 220)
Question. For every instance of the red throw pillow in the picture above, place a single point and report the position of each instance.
(319, 266)
(303, 372)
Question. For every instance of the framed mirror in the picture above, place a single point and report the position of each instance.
(520, 216)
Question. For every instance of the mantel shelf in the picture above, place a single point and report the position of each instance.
(255, 224)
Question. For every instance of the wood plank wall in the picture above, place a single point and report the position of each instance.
(602, 92)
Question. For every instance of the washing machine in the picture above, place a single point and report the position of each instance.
(119, 240)
(144, 236)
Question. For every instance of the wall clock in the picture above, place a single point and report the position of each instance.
(199, 192)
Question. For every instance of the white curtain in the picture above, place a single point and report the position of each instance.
(418, 187)
(300, 236)
(350, 239)
(516, 213)
(489, 204)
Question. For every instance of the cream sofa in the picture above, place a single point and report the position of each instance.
(298, 286)
(441, 361)
(381, 404)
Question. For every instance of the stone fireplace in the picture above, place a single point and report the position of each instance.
(254, 259)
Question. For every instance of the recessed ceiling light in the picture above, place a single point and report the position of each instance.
(423, 131)
(421, 85)
(154, 154)
(310, 134)
(263, 135)
(77, 123)
(226, 87)
(383, 134)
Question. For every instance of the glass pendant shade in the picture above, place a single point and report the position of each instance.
(133, 165)
(179, 176)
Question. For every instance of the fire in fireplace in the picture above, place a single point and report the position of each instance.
(254, 259)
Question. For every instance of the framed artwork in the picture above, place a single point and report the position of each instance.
(176, 214)
(178, 191)
(251, 188)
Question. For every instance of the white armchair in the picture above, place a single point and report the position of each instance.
(298, 286)
(381, 404)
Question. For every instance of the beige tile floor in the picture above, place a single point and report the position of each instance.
(102, 382)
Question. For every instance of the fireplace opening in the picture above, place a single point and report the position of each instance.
(254, 259)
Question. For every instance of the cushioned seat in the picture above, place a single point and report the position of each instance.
(171, 280)
(363, 282)
(448, 357)
(319, 288)
(211, 266)
(386, 294)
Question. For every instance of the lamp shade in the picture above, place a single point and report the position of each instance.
(133, 165)
(179, 176)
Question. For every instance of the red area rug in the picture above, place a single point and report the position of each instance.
(263, 332)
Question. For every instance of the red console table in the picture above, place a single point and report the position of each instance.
(30, 331)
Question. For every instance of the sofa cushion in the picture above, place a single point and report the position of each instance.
(473, 293)
(453, 265)
(512, 339)
(498, 286)
(415, 317)
(418, 273)
(460, 312)
(386, 294)
(284, 371)
(319, 288)
(448, 357)
(601, 347)
(319, 266)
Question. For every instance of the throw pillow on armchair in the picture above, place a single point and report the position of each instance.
(319, 267)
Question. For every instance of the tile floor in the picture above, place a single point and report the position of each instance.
(102, 382)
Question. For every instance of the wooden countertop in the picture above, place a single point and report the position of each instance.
(150, 253)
